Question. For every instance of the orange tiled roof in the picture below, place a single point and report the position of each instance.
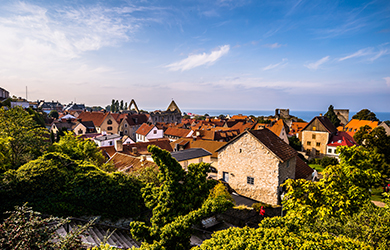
(277, 127)
(238, 117)
(144, 129)
(243, 125)
(128, 163)
(96, 117)
(296, 127)
(353, 125)
(178, 132)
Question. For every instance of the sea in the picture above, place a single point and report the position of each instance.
(304, 115)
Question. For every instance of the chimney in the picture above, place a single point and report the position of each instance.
(134, 150)
(320, 114)
(119, 145)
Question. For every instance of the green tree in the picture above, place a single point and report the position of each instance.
(125, 107)
(53, 114)
(295, 143)
(21, 137)
(365, 114)
(121, 105)
(331, 115)
(78, 149)
(55, 184)
(176, 204)
(116, 106)
(113, 107)
(26, 229)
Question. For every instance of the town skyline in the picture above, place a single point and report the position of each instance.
(241, 55)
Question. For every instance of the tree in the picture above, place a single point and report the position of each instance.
(125, 106)
(331, 115)
(295, 143)
(55, 184)
(26, 229)
(113, 107)
(121, 105)
(177, 203)
(116, 106)
(22, 139)
(365, 114)
(53, 114)
(78, 149)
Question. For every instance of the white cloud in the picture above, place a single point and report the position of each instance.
(387, 79)
(379, 54)
(359, 53)
(193, 61)
(272, 46)
(316, 64)
(272, 66)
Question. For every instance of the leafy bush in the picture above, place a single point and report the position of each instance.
(58, 185)
(257, 206)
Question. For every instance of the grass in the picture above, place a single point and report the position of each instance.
(317, 167)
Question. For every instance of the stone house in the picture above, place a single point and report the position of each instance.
(316, 135)
(256, 163)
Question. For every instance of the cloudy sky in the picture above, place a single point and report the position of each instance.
(222, 54)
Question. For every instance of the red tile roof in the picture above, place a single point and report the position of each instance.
(144, 129)
(341, 139)
(177, 132)
(210, 146)
(140, 148)
(96, 117)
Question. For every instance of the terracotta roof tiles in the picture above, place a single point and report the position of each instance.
(144, 129)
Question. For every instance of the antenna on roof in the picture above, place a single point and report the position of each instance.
(26, 93)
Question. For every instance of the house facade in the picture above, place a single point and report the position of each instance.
(316, 135)
(148, 132)
(131, 123)
(256, 163)
(4, 94)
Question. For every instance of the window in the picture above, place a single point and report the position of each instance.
(288, 164)
(155, 131)
(308, 143)
(109, 128)
(80, 132)
(330, 150)
(125, 125)
(240, 150)
(109, 121)
(125, 131)
(313, 136)
(318, 144)
(317, 153)
(225, 176)
(314, 128)
(185, 164)
(250, 180)
(200, 159)
(110, 143)
(307, 151)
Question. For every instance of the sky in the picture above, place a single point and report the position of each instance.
(222, 54)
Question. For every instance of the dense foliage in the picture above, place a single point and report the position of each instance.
(295, 143)
(365, 114)
(21, 138)
(55, 184)
(177, 203)
(331, 115)
(377, 142)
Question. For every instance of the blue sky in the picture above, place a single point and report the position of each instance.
(223, 54)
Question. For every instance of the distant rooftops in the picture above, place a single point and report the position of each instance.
(191, 153)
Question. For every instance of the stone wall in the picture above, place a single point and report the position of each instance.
(247, 157)
(343, 115)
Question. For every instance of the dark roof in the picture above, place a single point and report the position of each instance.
(302, 170)
(88, 124)
(277, 146)
(191, 153)
(324, 121)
